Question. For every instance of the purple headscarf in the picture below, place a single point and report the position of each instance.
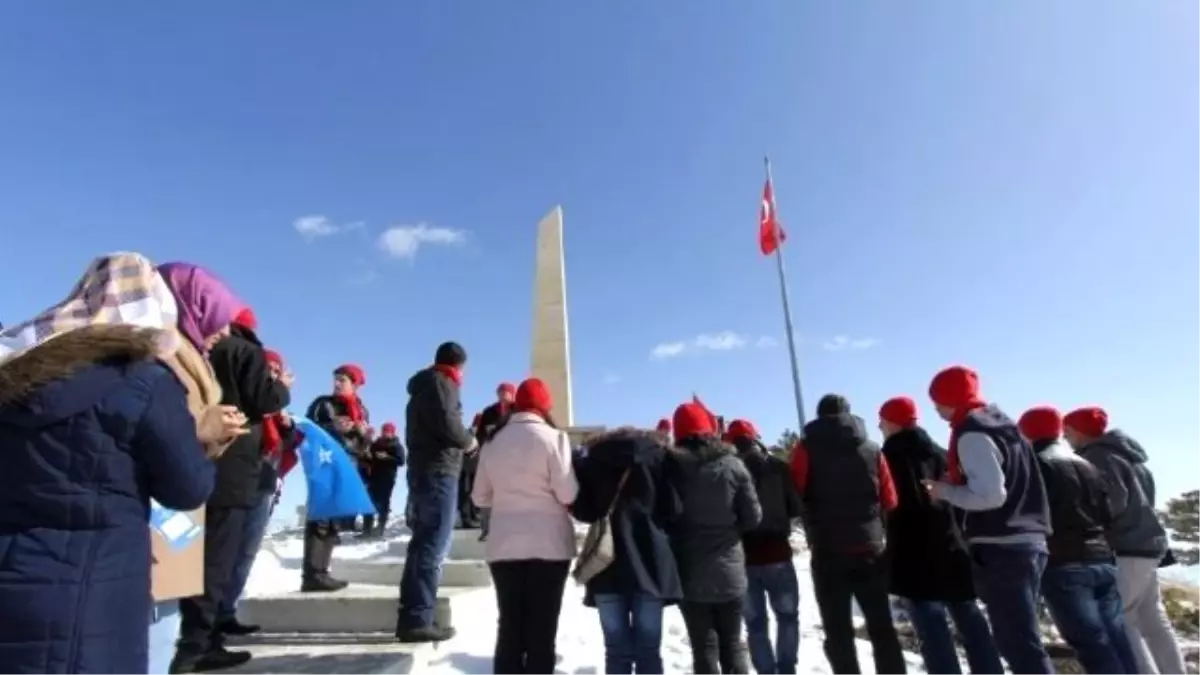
(206, 305)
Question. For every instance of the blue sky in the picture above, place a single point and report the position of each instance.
(1011, 185)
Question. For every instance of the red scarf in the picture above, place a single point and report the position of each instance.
(271, 438)
(954, 472)
(353, 406)
(452, 372)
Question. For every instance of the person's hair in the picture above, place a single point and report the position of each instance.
(450, 354)
(832, 404)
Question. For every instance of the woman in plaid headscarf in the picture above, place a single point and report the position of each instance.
(93, 425)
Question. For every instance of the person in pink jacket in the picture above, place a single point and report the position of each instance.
(525, 478)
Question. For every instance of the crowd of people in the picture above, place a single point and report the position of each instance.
(149, 384)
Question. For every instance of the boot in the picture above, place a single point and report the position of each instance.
(237, 628)
(322, 583)
(430, 633)
(368, 528)
(217, 658)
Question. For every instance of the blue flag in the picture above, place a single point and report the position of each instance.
(335, 489)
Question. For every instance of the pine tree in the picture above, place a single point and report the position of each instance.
(783, 446)
(1182, 520)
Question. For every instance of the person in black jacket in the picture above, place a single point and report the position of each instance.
(384, 460)
(1080, 581)
(344, 416)
(643, 578)
(240, 366)
(928, 562)
(847, 489)
(485, 425)
(770, 572)
(276, 435)
(437, 439)
(719, 506)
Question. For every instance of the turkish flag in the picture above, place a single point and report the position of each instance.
(770, 232)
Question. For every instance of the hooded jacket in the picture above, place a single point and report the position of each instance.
(928, 559)
(1135, 531)
(92, 428)
(435, 434)
(770, 542)
(643, 512)
(719, 506)
(240, 365)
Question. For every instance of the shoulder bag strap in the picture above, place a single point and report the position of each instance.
(616, 495)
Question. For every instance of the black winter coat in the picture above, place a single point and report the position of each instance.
(491, 420)
(385, 458)
(325, 409)
(240, 366)
(434, 430)
(770, 542)
(928, 559)
(719, 506)
(645, 509)
(1079, 509)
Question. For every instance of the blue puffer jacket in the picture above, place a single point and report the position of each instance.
(91, 428)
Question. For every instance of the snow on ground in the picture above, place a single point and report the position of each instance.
(580, 645)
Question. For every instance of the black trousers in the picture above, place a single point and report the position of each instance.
(839, 577)
(380, 487)
(320, 538)
(715, 631)
(467, 511)
(529, 597)
(224, 530)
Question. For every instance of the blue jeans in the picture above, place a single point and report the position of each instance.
(1086, 606)
(777, 586)
(434, 499)
(1008, 580)
(937, 645)
(252, 536)
(164, 629)
(632, 627)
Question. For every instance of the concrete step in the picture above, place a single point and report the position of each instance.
(387, 570)
(358, 608)
(464, 545)
(305, 653)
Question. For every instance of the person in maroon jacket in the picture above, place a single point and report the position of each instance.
(770, 573)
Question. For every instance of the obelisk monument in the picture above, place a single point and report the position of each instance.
(551, 339)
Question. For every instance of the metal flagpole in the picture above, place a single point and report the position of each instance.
(787, 306)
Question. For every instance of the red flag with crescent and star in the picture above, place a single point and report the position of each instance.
(770, 231)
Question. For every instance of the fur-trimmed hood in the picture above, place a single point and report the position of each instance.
(625, 446)
(33, 378)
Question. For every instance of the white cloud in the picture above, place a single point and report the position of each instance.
(843, 343)
(315, 226)
(403, 241)
(766, 342)
(611, 378)
(705, 342)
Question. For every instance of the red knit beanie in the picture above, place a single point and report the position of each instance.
(507, 388)
(664, 426)
(389, 429)
(1091, 421)
(956, 387)
(901, 411)
(740, 429)
(692, 419)
(273, 357)
(353, 372)
(246, 319)
(1041, 423)
(533, 396)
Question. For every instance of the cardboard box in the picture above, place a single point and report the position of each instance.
(177, 547)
